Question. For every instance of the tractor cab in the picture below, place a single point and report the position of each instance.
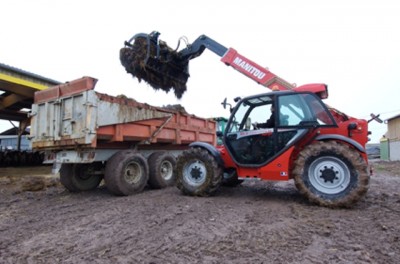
(263, 126)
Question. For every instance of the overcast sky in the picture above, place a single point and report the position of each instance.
(353, 46)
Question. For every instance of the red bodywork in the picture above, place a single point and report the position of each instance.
(279, 168)
(254, 71)
(349, 130)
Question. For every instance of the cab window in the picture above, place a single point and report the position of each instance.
(302, 109)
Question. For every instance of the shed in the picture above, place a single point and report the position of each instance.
(17, 88)
(392, 138)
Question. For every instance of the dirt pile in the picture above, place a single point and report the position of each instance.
(156, 63)
(27, 179)
(176, 107)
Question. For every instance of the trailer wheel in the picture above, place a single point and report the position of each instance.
(331, 174)
(198, 173)
(80, 177)
(161, 167)
(126, 173)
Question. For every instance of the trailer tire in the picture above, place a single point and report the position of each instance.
(331, 174)
(161, 169)
(126, 173)
(198, 173)
(80, 177)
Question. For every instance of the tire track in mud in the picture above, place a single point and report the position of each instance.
(253, 223)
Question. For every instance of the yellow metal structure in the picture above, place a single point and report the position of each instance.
(17, 88)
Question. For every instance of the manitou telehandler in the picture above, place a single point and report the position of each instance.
(319, 147)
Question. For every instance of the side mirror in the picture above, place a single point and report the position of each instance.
(225, 103)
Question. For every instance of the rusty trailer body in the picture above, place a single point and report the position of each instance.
(85, 134)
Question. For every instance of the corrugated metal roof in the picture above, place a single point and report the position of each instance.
(28, 74)
(17, 89)
(393, 117)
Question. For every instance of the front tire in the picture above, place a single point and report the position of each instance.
(198, 173)
(331, 174)
(126, 173)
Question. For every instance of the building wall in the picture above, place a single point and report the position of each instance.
(384, 148)
(393, 129)
(394, 150)
(11, 143)
(393, 135)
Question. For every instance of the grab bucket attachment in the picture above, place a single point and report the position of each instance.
(152, 60)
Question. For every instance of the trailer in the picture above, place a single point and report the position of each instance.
(90, 136)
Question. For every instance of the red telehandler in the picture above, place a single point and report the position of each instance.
(320, 148)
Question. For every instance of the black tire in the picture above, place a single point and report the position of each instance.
(230, 179)
(161, 170)
(126, 173)
(81, 177)
(198, 173)
(331, 174)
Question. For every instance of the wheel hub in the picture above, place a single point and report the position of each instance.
(166, 170)
(195, 173)
(132, 173)
(329, 174)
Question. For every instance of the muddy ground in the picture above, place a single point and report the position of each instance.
(257, 222)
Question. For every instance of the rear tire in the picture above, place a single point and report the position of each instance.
(198, 173)
(80, 177)
(331, 174)
(161, 166)
(126, 173)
